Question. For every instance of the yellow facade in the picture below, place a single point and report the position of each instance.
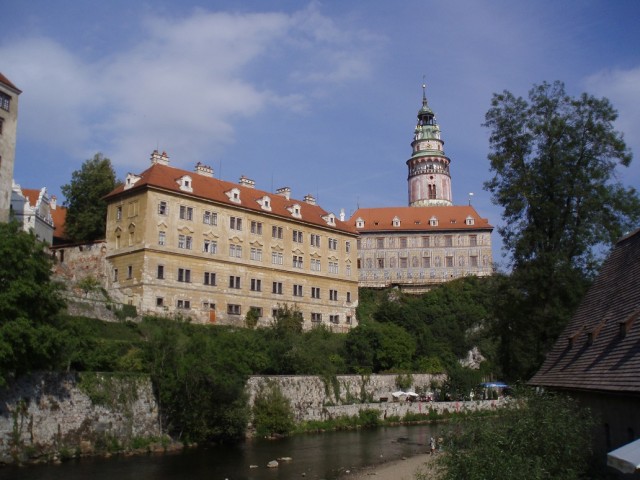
(180, 252)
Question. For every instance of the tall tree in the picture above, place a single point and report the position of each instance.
(87, 211)
(553, 160)
(29, 302)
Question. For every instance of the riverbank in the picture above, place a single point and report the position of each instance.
(403, 469)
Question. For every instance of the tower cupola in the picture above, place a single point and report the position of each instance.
(429, 178)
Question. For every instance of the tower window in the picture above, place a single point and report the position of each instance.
(5, 101)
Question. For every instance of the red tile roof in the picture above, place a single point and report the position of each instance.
(6, 81)
(417, 219)
(600, 348)
(31, 194)
(213, 189)
(59, 215)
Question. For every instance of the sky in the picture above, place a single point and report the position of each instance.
(319, 96)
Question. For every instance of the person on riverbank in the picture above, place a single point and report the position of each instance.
(432, 445)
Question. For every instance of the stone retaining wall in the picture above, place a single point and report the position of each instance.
(46, 414)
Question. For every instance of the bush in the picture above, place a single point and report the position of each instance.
(272, 414)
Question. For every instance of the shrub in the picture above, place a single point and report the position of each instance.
(272, 414)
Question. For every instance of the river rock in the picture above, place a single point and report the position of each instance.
(272, 464)
(285, 459)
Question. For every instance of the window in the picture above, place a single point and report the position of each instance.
(426, 262)
(333, 267)
(235, 223)
(379, 242)
(5, 101)
(347, 247)
(235, 251)
(333, 295)
(473, 240)
(403, 242)
(297, 290)
(315, 240)
(209, 278)
(348, 297)
(473, 261)
(160, 273)
(448, 240)
(162, 238)
(316, 317)
(1, 123)
(186, 213)
(348, 270)
(380, 262)
(333, 244)
(256, 285)
(210, 218)
(257, 310)
(185, 241)
(234, 282)
(315, 264)
(233, 309)
(449, 261)
(256, 228)
(403, 262)
(210, 246)
(425, 242)
(276, 232)
(348, 321)
(183, 304)
(163, 208)
(256, 254)
(334, 318)
(297, 236)
(115, 274)
(276, 258)
(118, 213)
(297, 261)
(129, 272)
(184, 275)
(206, 305)
(159, 302)
(315, 292)
(277, 288)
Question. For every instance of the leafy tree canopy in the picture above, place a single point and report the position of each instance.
(29, 303)
(87, 211)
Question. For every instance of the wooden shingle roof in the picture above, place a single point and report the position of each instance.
(600, 348)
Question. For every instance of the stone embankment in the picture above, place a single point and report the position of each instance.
(48, 416)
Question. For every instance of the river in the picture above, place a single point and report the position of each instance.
(314, 457)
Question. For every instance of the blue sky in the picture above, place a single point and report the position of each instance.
(318, 96)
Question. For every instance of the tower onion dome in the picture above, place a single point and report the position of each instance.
(429, 179)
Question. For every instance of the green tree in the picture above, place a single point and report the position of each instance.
(29, 304)
(272, 413)
(540, 437)
(87, 210)
(553, 160)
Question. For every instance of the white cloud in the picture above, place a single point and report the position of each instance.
(183, 85)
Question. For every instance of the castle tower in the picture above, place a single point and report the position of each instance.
(8, 127)
(429, 179)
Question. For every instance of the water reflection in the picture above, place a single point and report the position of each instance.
(320, 456)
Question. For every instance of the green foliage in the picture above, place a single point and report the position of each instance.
(272, 413)
(378, 347)
(89, 284)
(251, 319)
(404, 381)
(369, 417)
(553, 160)
(29, 304)
(288, 319)
(541, 437)
(87, 210)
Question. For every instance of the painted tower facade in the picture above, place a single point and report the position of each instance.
(429, 178)
(8, 128)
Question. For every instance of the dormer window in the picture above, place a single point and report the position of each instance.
(469, 220)
(265, 203)
(359, 223)
(233, 195)
(330, 219)
(396, 221)
(433, 221)
(185, 183)
(131, 180)
(295, 210)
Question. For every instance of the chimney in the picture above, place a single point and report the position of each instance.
(54, 202)
(246, 182)
(162, 159)
(204, 170)
(284, 192)
(342, 214)
(310, 199)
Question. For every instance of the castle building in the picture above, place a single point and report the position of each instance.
(33, 210)
(186, 242)
(8, 130)
(432, 240)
